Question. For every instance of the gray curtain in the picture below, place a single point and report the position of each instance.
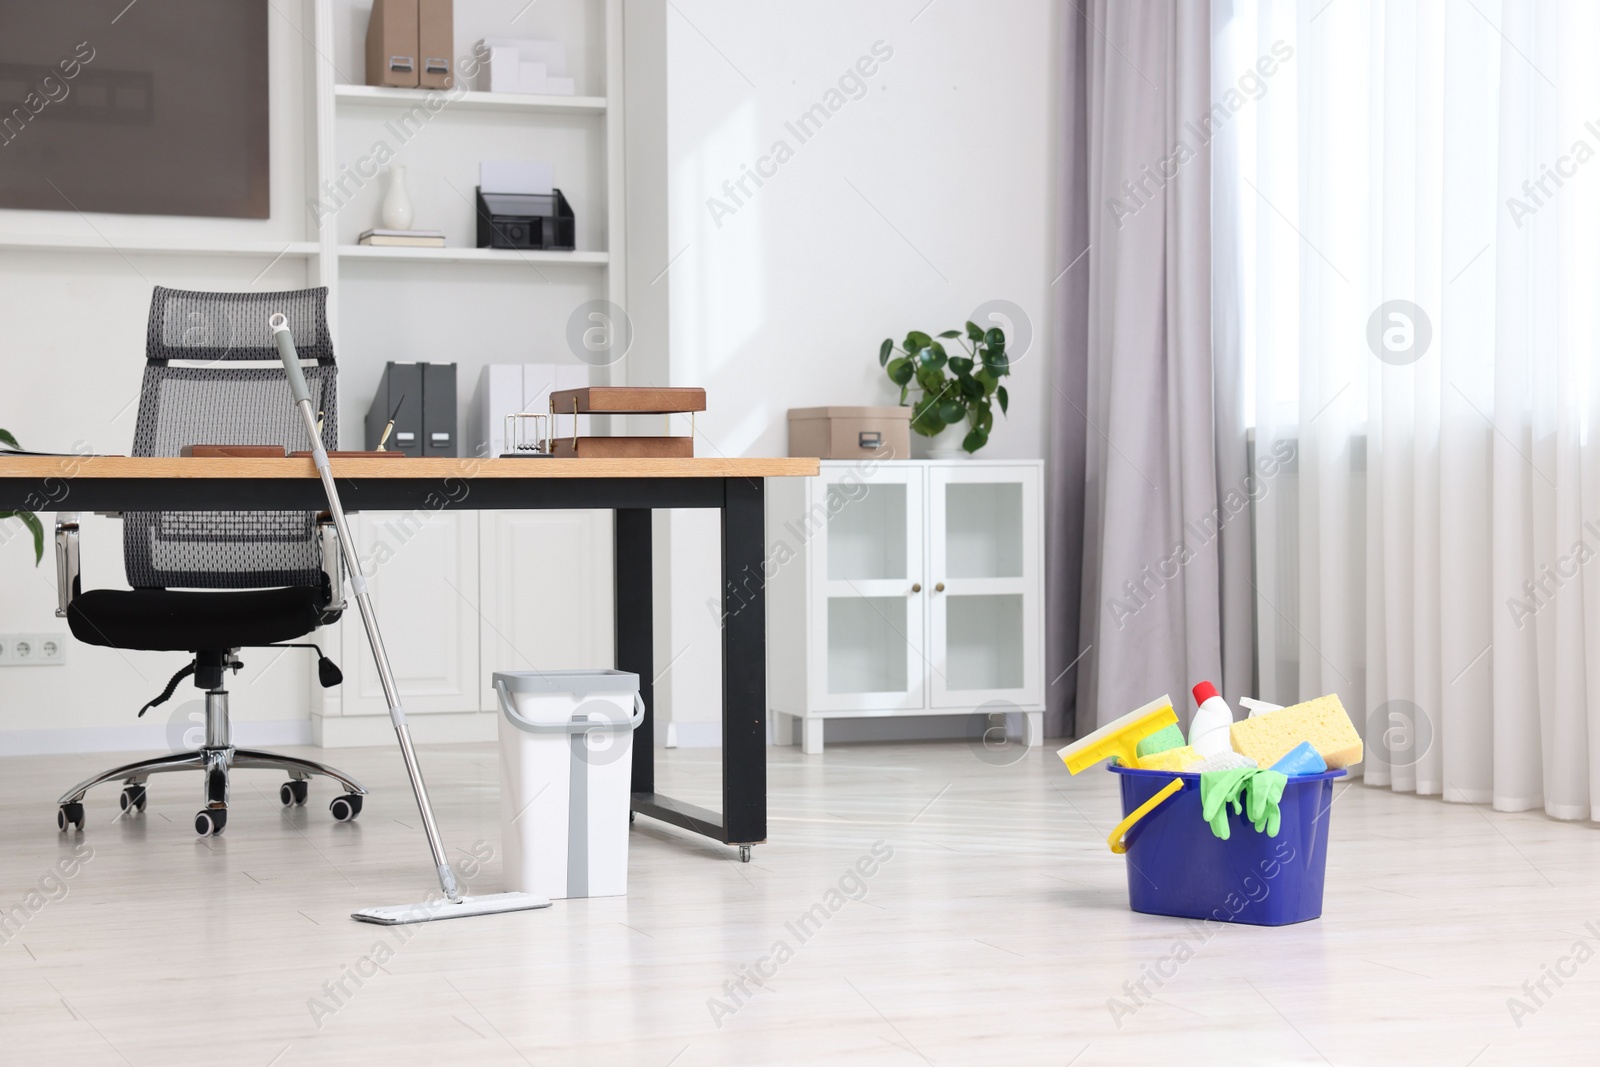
(1147, 432)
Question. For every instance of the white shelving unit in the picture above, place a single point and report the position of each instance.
(440, 136)
(461, 594)
(906, 588)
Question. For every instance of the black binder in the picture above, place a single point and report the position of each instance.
(400, 380)
(439, 409)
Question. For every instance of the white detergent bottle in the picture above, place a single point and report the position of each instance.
(1208, 730)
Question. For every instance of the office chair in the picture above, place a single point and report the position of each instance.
(210, 583)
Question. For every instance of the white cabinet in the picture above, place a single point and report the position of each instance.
(422, 575)
(459, 595)
(906, 587)
(546, 593)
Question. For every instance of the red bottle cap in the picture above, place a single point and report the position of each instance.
(1204, 692)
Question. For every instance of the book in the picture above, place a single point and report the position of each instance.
(403, 238)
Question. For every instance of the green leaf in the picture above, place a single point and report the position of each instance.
(902, 396)
(997, 362)
(993, 336)
(971, 388)
(974, 440)
(933, 356)
(884, 350)
(952, 412)
(1005, 401)
(900, 370)
(961, 365)
(932, 381)
(5, 437)
(951, 333)
(974, 332)
(916, 339)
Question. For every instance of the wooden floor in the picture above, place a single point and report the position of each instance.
(996, 931)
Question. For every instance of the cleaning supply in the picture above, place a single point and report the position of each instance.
(1208, 730)
(1258, 707)
(1226, 761)
(1167, 737)
(1323, 722)
(1175, 866)
(1173, 759)
(1260, 789)
(1302, 759)
(1120, 737)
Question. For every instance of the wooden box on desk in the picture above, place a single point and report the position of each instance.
(850, 433)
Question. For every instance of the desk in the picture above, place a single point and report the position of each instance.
(630, 487)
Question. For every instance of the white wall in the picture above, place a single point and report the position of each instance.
(913, 205)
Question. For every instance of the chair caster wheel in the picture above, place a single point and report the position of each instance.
(211, 822)
(346, 808)
(293, 794)
(134, 797)
(744, 853)
(69, 815)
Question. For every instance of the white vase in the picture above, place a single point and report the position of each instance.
(397, 204)
(945, 445)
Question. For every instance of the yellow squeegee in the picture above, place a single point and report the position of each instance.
(1120, 738)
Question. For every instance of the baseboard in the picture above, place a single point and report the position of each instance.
(360, 731)
(144, 737)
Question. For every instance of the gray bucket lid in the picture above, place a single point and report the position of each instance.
(579, 682)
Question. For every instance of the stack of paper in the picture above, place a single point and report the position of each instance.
(518, 65)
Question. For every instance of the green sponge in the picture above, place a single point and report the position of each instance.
(1166, 738)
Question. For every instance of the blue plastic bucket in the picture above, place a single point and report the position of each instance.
(1178, 867)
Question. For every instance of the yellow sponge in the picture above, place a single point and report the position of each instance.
(1323, 721)
(1173, 759)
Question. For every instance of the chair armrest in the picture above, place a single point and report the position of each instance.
(332, 568)
(67, 572)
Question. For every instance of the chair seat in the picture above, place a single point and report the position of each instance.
(172, 620)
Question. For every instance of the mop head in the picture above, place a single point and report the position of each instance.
(437, 908)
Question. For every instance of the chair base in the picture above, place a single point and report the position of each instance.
(214, 759)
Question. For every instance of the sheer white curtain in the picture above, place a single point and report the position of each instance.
(1407, 216)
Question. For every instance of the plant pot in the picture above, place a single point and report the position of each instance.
(946, 445)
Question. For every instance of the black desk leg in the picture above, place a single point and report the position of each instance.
(634, 651)
(744, 663)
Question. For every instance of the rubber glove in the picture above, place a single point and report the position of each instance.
(1263, 791)
(1217, 788)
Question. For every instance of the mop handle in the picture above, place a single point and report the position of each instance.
(391, 694)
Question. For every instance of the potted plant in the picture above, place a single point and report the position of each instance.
(953, 389)
(27, 518)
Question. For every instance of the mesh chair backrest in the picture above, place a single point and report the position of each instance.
(213, 403)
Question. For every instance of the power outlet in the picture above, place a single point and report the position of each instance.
(32, 650)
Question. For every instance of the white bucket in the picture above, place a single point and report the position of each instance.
(566, 770)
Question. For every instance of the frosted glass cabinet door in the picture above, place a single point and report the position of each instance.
(867, 587)
(984, 611)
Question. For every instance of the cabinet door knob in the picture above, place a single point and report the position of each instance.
(939, 588)
(916, 587)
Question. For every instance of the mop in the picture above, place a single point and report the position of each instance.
(453, 905)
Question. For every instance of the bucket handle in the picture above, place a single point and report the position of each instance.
(580, 727)
(1115, 838)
